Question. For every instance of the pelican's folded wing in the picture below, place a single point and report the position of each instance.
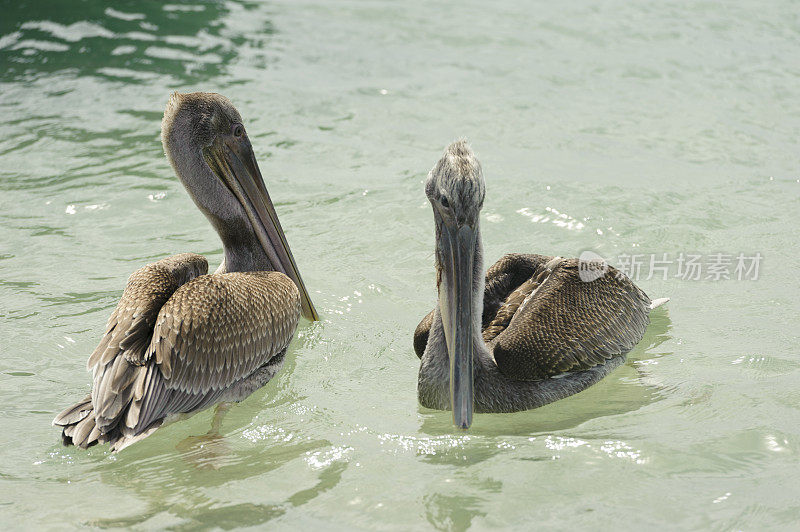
(130, 326)
(565, 324)
(213, 333)
(421, 333)
(115, 361)
(506, 275)
(508, 281)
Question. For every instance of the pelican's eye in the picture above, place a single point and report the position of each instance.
(238, 130)
(444, 202)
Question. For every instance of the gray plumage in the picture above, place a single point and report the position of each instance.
(540, 332)
(181, 340)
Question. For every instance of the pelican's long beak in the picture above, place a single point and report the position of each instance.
(235, 163)
(456, 248)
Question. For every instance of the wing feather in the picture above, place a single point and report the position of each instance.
(130, 326)
(214, 332)
(541, 320)
(502, 279)
(567, 324)
(120, 355)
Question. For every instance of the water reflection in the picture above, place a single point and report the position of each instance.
(189, 482)
(452, 512)
(184, 483)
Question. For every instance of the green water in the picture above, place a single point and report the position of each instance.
(619, 127)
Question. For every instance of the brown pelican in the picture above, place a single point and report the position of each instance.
(530, 333)
(180, 340)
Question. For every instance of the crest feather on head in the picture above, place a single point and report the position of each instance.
(458, 178)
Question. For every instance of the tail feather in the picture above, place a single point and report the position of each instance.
(80, 436)
(80, 428)
(79, 425)
(129, 437)
(111, 413)
(658, 302)
(75, 413)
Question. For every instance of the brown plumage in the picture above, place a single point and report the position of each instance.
(178, 341)
(529, 332)
(181, 340)
(541, 321)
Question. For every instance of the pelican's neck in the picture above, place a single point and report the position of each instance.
(242, 249)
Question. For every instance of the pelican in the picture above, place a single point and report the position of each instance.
(531, 332)
(181, 340)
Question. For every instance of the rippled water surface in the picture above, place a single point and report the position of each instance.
(623, 128)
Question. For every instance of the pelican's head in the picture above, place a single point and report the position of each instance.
(455, 185)
(456, 190)
(207, 145)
